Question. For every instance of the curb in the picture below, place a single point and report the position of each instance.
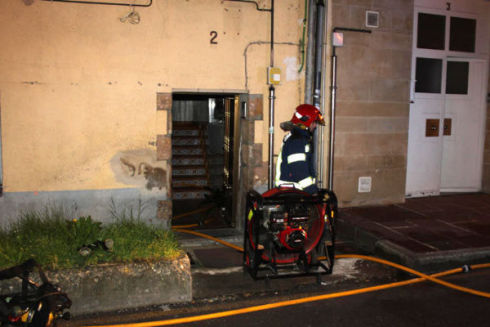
(426, 262)
(111, 287)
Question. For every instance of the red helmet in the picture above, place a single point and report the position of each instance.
(306, 114)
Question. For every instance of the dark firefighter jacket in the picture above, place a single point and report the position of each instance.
(295, 162)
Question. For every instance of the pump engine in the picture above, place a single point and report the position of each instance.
(288, 231)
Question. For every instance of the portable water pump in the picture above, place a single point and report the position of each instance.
(289, 232)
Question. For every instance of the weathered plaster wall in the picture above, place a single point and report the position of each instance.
(372, 101)
(79, 87)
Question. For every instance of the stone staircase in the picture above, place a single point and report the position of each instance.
(190, 173)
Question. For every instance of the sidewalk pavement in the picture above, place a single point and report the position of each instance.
(427, 234)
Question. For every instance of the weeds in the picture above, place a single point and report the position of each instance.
(53, 239)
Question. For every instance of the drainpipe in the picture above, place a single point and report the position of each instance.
(309, 52)
(271, 107)
(317, 94)
(333, 91)
(320, 25)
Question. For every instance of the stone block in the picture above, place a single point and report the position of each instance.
(402, 5)
(255, 107)
(370, 144)
(357, 18)
(366, 109)
(339, 13)
(246, 154)
(257, 155)
(388, 187)
(400, 64)
(355, 163)
(164, 101)
(164, 147)
(391, 90)
(402, 21)
(260, 173)
(164, 211)
(248, 132)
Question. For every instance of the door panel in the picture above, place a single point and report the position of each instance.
(462, 150)
(424, 152)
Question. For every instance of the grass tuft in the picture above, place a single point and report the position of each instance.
(53, 239)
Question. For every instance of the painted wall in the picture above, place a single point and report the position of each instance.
(79, 91)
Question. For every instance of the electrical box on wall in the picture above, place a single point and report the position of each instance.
(364, 185)
(338, 39)
(273, 75)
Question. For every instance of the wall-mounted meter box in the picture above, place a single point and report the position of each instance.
(338, 39)
(273, 75)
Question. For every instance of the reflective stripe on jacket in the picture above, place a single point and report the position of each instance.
(294, 165)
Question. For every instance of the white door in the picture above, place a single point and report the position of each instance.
(447, 111)
(464, 126)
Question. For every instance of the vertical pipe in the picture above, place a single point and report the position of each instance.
(271, 108)
(272, 33)
(320, 13)
(332, 118)
(271, 136)
(309, 52)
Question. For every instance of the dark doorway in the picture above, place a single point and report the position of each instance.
(203, 128)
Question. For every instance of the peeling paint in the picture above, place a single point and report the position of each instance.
(291, 64)
(140, 168)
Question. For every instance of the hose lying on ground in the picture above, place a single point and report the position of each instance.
(422, 277)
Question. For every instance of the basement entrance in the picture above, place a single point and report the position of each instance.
(203, 157)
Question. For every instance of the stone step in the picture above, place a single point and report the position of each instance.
(185, 132)
(186, 181)
(187, 150)
(187, 140)
(178, 160)
(189, 171)
(183, 193)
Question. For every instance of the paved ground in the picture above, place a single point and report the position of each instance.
(429, 234)
(426, 233)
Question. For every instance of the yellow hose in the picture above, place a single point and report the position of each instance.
(280, 304)
(364, 257)
(422, 277)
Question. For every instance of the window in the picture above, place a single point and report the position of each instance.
(431, 31)
(457, 77)
(462, 34)
(428, 75)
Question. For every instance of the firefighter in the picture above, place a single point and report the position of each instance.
(295, 166)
